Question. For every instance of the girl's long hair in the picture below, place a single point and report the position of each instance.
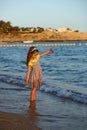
(29, 54)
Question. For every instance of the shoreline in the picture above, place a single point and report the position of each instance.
(45, 36)
(11, 121)
(48, 112)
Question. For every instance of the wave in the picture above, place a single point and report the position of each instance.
(12, 80)
(65, 93)
(57, 91)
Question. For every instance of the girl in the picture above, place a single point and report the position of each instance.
(34, 71)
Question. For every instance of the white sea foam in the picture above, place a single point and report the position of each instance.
(65, 93)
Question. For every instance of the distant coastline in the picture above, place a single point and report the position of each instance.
(46, 35)
(9, 33)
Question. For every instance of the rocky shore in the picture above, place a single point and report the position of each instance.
(46, 35)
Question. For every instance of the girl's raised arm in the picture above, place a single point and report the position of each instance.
(46, 52)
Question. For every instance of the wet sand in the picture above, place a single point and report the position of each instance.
(9, 121)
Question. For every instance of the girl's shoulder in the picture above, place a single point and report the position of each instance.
(30, 63)
(37, 57)
(33, 60)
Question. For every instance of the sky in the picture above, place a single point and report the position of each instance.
(45, 13)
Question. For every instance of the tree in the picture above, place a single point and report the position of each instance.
(5, 27)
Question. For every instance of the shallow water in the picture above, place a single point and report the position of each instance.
(64, 71)
(48, 112)
(62, 99)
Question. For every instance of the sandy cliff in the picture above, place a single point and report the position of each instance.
(46, 35)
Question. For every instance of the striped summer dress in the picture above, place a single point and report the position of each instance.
(35, 79)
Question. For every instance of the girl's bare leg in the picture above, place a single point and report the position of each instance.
(32, 105)
(33, 94)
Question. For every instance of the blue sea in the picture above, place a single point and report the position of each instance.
(64, 76)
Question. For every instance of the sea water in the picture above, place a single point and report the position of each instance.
(64, 71)
(62, 98)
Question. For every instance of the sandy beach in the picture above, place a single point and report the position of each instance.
(9, 121)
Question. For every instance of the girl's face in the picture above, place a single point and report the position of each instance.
(34, 54)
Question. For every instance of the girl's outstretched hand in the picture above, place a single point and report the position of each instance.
(51, 51)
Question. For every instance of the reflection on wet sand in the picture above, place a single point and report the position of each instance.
(33, 115)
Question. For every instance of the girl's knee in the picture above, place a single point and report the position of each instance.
(35, 88)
